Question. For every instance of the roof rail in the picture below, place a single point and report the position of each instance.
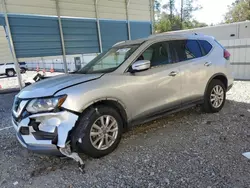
(118, 43)
(176, 33)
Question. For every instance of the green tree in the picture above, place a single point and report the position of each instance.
(163, 24)
(157, 9)
(169, 8)
(238, 11)
(188, 8)
(157, 5)
(193, 24)
(170, 19)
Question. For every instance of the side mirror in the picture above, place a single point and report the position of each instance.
(141, 65)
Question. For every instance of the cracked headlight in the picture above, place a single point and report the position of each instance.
(45, 104)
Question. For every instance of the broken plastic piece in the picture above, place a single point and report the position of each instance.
(81, 167)
(246, 154)
(73, 155)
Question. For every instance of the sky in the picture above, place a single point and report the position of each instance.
(213, 11)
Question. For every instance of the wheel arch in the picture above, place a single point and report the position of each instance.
(219, 76)
(111, 102)
(6, 70)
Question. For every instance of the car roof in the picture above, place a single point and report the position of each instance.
(164, 36)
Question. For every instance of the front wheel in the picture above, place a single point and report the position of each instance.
(10, 72)
(215, 97)
(98, 131)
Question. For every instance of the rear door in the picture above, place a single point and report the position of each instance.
(193, 69)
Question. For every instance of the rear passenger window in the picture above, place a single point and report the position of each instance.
(206, 46)
(186, 49)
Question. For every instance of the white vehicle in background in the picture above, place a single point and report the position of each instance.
(8, 69)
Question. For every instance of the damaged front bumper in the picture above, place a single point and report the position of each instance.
(45, 132)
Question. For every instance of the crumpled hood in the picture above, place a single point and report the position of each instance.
(49, 86)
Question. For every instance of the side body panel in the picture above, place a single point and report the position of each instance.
(139, 93)
(220, 66)
(153, 90)
(162, 91)
(194, 78)
(197, 73)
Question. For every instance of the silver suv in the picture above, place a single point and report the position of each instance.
(133, 82)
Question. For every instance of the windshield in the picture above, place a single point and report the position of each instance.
(108, 61)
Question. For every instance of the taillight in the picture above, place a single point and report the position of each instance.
(226, 54)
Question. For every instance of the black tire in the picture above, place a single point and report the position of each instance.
(23, 70)
(10, 72)
(83, 128)
(207, 105)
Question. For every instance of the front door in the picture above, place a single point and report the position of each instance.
(157, 89)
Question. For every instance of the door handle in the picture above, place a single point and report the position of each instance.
(173, 73)
(207, 64)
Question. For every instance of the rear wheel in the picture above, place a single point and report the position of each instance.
(215, 97)
(98, 131)
(10, 72)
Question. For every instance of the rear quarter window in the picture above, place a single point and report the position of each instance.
(206, 46)
(186, 49)
(193, 49)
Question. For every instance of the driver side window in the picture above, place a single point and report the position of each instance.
(158, 54)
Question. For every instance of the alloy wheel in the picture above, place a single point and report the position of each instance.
(11, 73)
(217, 96)
(103, 132)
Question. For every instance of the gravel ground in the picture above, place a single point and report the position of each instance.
(12, 82)
(186, 149)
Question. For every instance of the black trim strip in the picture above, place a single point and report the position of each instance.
(229, 87)
(159, 114)
(240, 63)
(40, 135)
(237, 46)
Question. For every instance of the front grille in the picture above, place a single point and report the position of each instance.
(18, 107)
(40, 135)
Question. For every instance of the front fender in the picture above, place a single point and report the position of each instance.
(81, 96)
